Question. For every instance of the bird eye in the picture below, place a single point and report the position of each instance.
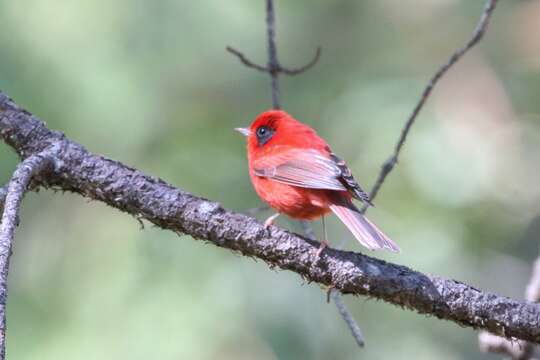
(264, 133)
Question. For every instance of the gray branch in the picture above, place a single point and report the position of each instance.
(11, 198)
(132, 192)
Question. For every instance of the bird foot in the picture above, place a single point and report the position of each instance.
(270, 221)
(324, 244)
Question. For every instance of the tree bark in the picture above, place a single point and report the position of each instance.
(142, 196)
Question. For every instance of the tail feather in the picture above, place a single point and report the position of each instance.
(363, 230)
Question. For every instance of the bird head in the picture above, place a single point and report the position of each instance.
(264, 128)
(273, 127)
(277, 129)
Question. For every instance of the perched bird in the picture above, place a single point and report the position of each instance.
(295, 172)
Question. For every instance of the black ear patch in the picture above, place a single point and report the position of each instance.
(264, 134)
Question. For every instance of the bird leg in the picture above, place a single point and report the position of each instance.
(324, 242)
(270, 220)
(323, 246)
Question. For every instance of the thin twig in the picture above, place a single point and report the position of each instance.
(356, 332)
(245, 60)
(273, 67)
(476, 37)
(391, 162)
(287, 71)
(345, 313)
(309, 65)
(273, 63)
(14, 195)
(516, 349)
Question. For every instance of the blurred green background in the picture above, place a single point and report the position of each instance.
(150, 84)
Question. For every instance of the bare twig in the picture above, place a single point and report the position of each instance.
(476, 37)
(273, 67)
(287, 71)
(12, 201)
(245, 60)
(391, 162)
(309, 65)
(345, 313)
(356, 332)
(516, 349)
(273, 63)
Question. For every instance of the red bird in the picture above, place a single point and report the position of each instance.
(296, 173)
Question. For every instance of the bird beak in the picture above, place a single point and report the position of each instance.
(243, 131)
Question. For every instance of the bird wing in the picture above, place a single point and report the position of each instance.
(349, 181)
(312, 169)
(305, 168)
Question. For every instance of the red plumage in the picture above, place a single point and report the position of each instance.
(296, 173)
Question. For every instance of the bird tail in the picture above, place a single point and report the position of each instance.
(363, 230)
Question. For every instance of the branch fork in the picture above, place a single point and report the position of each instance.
(275, 68)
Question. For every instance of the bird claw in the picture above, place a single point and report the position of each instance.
(324, 245)
(270, 221)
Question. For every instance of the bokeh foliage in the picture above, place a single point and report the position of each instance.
(149, 83)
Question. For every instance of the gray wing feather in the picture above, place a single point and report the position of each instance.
(308, 169)
(311, 169)
(349, 180)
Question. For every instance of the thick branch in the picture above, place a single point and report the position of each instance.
(350, 273)
(12, 202)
